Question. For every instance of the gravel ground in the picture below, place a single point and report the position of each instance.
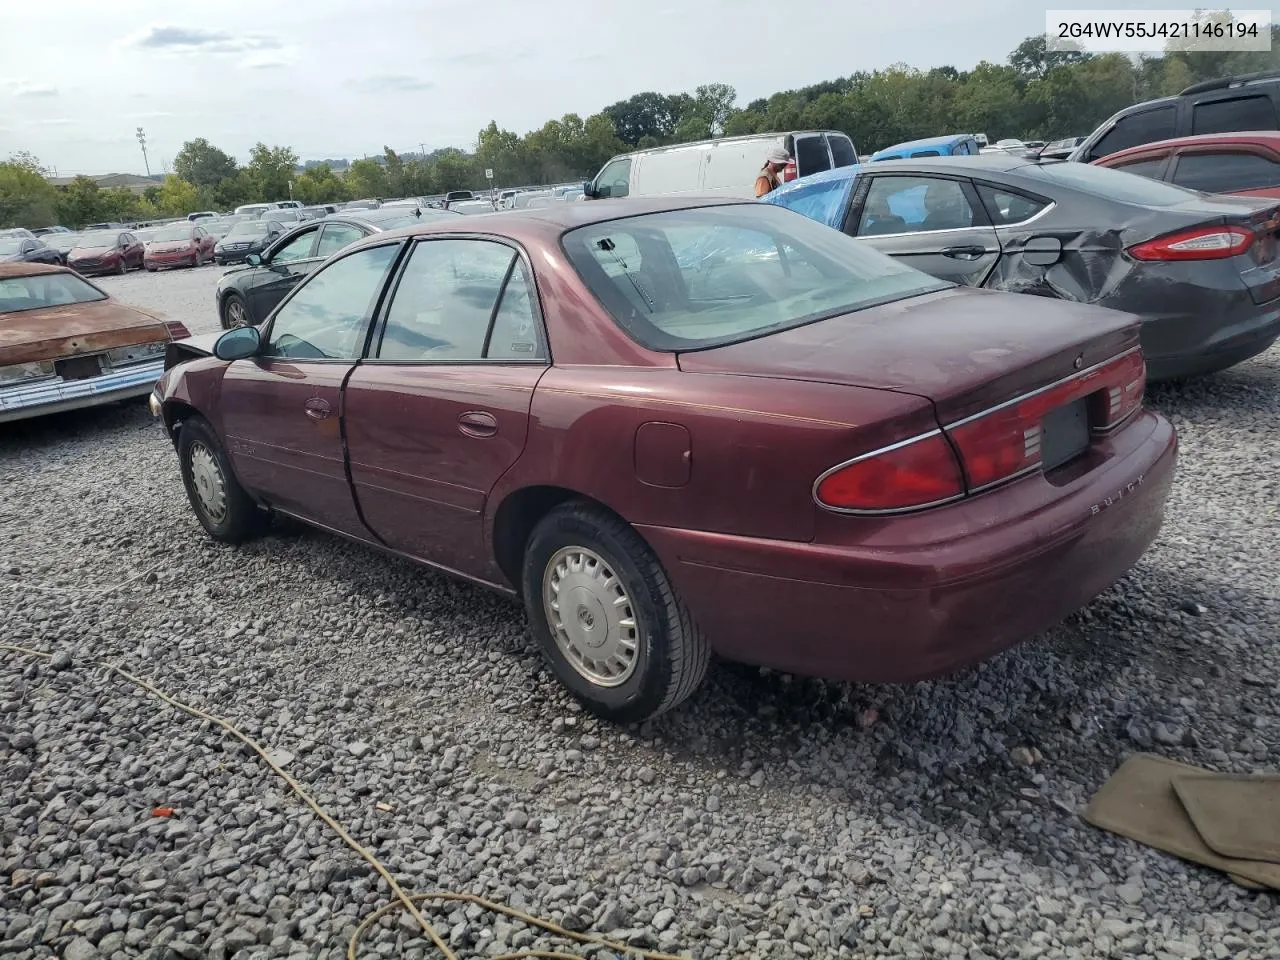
(769, 817)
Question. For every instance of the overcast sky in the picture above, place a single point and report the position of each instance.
(339, 78)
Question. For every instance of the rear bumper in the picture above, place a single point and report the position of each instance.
(1189, 346)
(54, 396)
(1004, 572)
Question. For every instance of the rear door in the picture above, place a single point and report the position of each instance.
(1228, 169)
(440, 410)
(283, 268)
(936, 224)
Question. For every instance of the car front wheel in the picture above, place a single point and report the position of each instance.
(235, 312)
(222, 506)
(606, 616)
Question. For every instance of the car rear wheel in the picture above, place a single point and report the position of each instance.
(235, 312)
(607, 618)
(222, 506)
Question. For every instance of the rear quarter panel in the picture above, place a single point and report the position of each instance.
(756, 445)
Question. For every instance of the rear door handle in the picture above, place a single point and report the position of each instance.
(964, 253)
(317, 409)
(478, 423)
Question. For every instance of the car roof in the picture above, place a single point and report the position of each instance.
(943, 141)
(1267, 138)
(10, 270)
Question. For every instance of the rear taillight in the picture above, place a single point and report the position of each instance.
(790, 171)
(1198, 243)
(177, 330)
(993, 447)
(906, 476)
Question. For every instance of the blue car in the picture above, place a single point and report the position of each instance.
(952, 145)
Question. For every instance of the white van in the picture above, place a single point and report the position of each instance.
(725, 167)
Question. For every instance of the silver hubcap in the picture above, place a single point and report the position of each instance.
(235, 314)
(591, 616)
(211, 489)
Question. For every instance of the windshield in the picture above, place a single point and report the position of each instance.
(691, 279)
(45, 290)
(1110, 184)
(62, 241)
(9, 245)
(248, 228)
(168, 234)
(101, 238)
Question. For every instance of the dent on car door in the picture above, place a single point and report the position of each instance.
(280, 410)
(441, 409)
(935, 224)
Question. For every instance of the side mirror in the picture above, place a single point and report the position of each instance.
(253, 259)
(238, 344)
(589, 190)
(1042, 251)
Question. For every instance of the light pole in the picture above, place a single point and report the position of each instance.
(142, 141)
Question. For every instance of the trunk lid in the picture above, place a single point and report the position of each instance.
(965, 350)
(51, 333)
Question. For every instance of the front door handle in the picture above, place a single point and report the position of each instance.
(964, 253)
(478, 423)
(318, 409)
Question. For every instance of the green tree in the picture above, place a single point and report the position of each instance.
(366, 178)
(201, 163)
(27, 199)
(79, 202)
(175, 198)
(119, 203)
(647, 115)
(319, 184)
(271, 169)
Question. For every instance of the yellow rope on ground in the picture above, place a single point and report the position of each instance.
(403, 901)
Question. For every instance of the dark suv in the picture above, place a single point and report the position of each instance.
(1225, 105)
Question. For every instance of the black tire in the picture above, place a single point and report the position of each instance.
(241, 519)
(230, 304)
(671, 655)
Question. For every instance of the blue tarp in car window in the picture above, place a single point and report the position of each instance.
(822, 196)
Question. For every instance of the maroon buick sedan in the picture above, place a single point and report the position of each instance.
(678, 428)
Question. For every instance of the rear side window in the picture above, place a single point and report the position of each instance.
(1226, 172)
(925, 153)
(1005, 208)
(1135, 130)
(1230, 116)
(811, 155)
(842, 152)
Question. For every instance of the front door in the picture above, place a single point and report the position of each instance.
(935, 224)
(283, 267)
(441, 410)
(281, 411)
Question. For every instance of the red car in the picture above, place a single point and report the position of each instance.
(676, 428)
(1244, 163)
(106, 251)
(178, 245)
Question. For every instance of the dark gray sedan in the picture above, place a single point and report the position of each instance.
(27, 250)
(1200, 270)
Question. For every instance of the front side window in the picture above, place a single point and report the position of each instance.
(1226, 172)
(299, 248)
(914, 205)
(335, 236)
(615, 179)
(1006, 208)
(703, 277)
(327, 317)
(448, 300)
(1135, 130)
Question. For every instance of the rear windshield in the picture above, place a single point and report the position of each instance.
(692, 279)
(1109, 184)
(45, 290)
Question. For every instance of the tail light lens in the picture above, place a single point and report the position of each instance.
(1198, 243)
(905, 476)
(177, 330)
(790, 172)
(993, 447)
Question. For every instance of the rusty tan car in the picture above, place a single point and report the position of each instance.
(67, 344)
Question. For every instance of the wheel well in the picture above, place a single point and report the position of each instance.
(518, 514)
(175, 411)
